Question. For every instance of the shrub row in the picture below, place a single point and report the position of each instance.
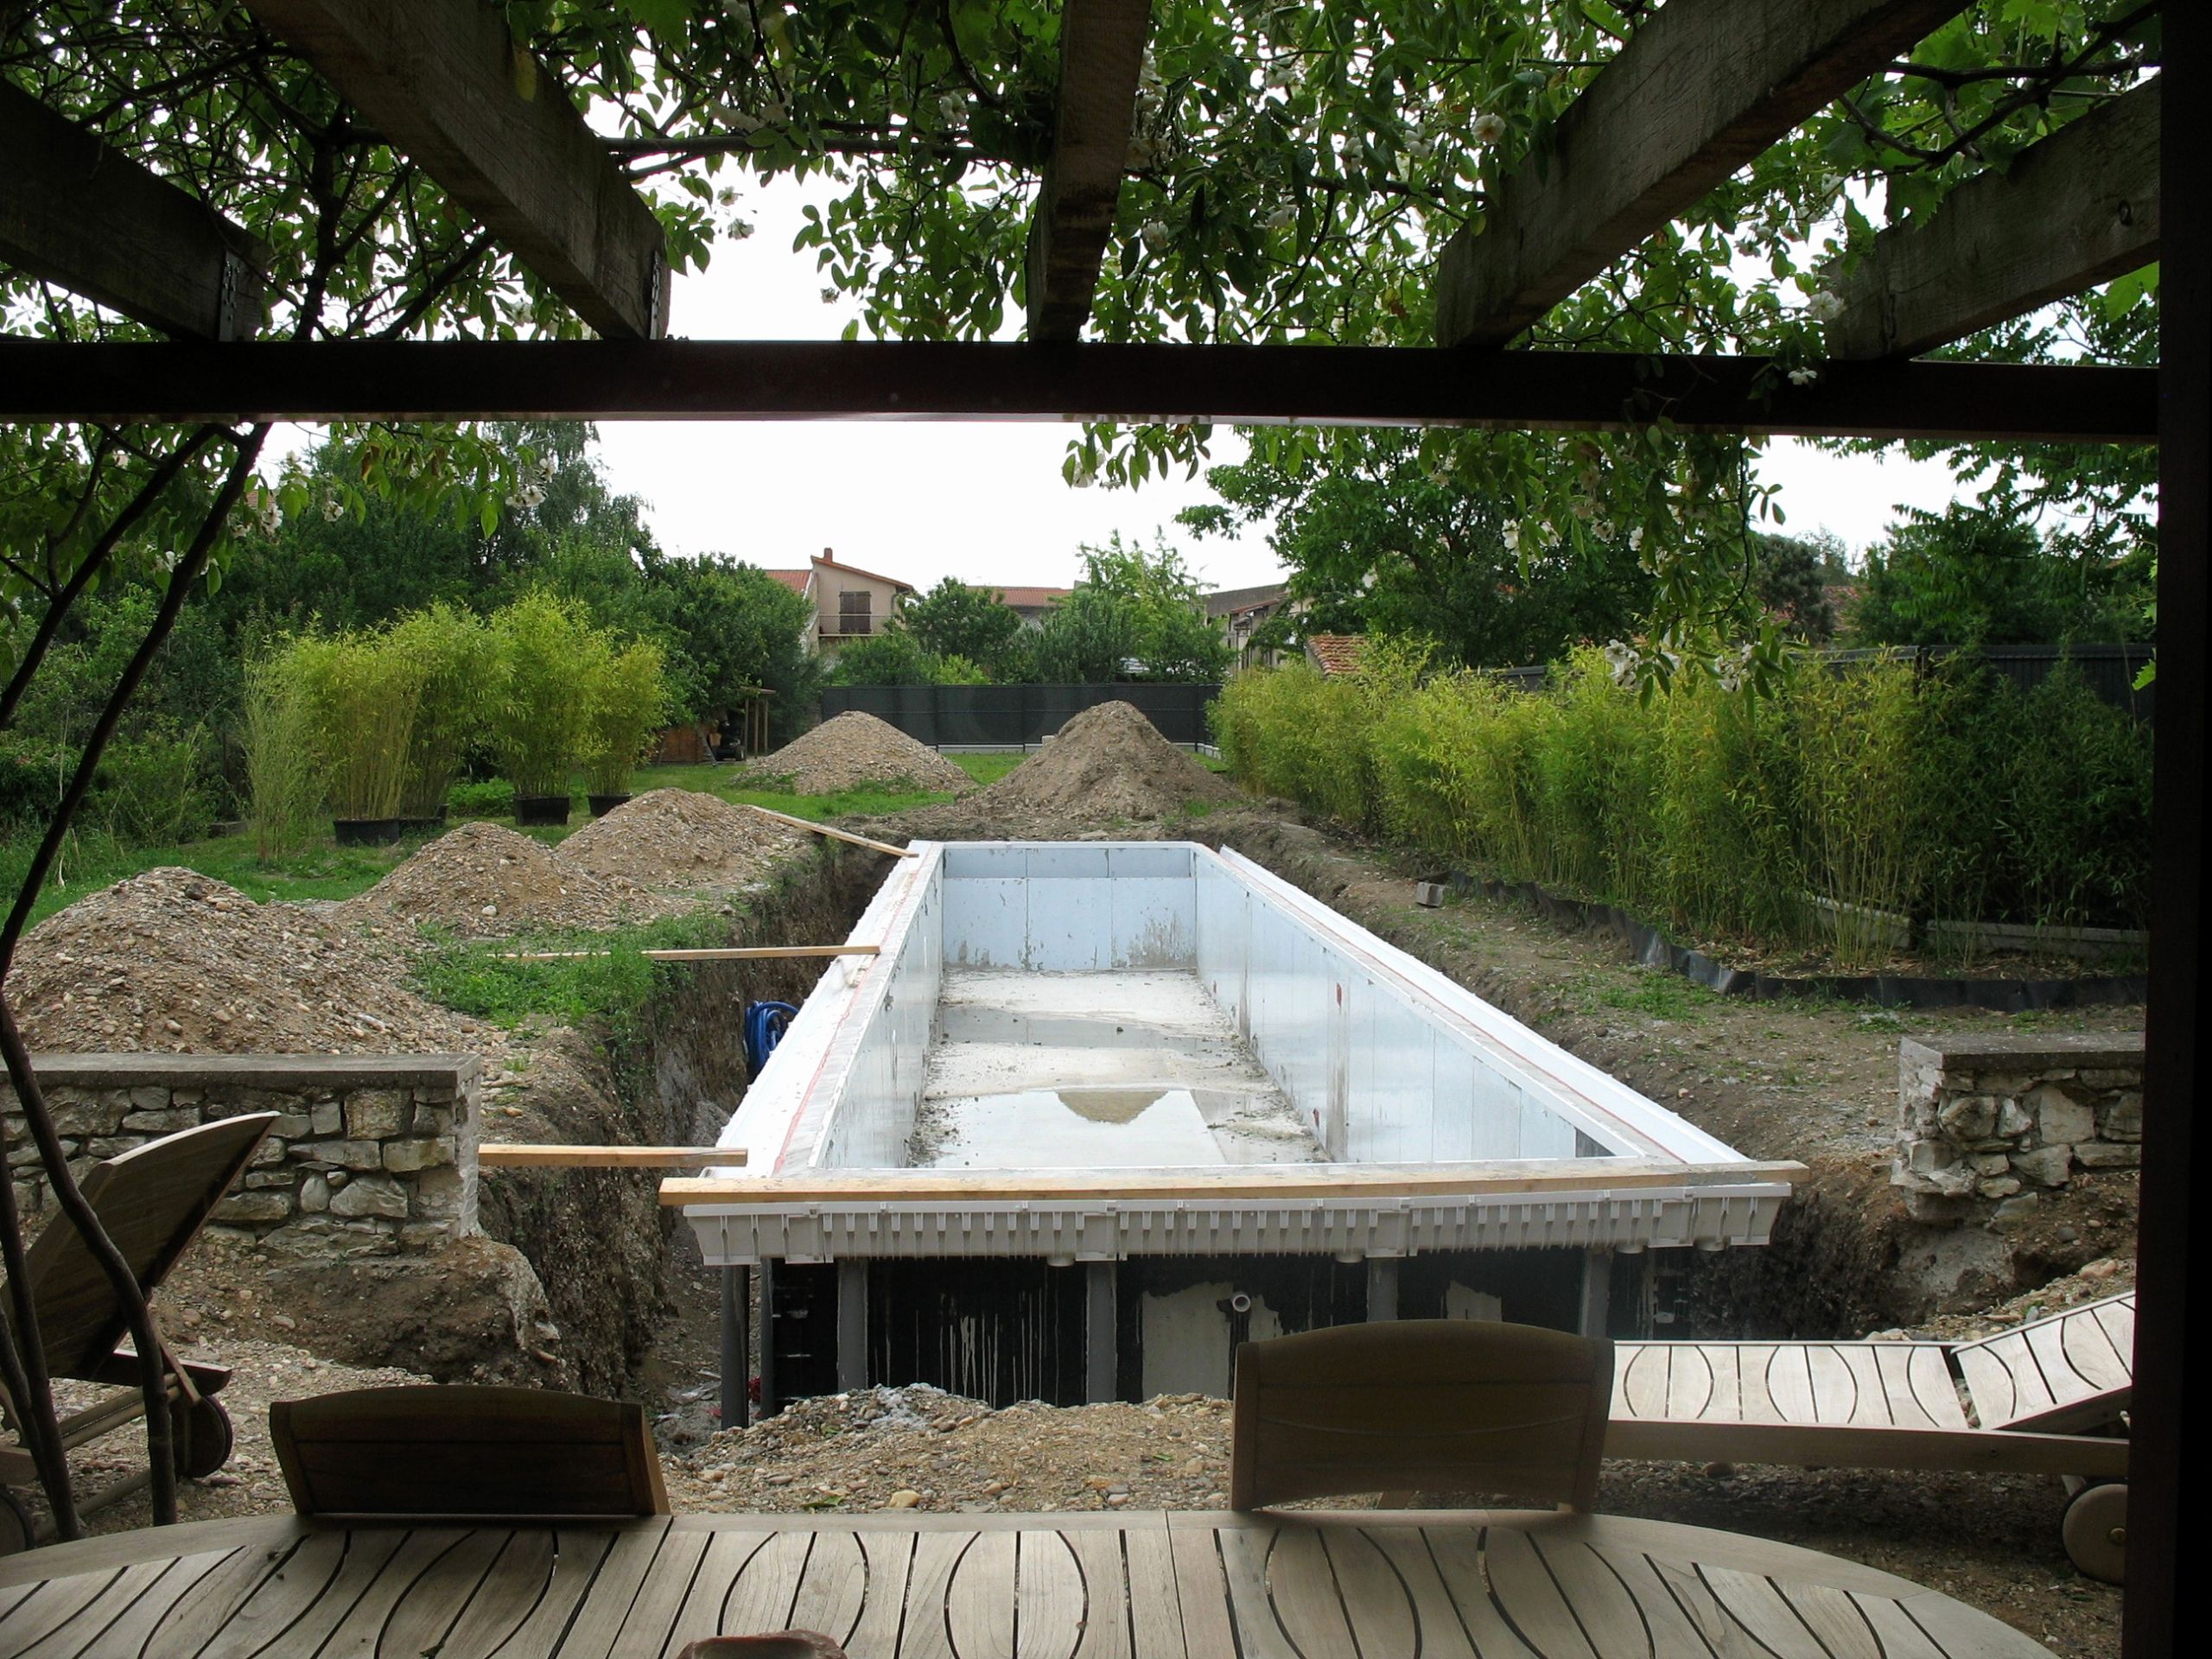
(1810, 816)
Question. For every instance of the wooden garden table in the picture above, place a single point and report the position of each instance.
(1382, 1585)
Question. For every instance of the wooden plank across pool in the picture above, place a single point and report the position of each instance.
(1377, 1585)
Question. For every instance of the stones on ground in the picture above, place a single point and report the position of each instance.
(680, 838)
(1108, 766)
(172, 961)
(852, 750)
(482, 880)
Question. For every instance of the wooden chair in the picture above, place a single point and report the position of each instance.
(1439, 1405)
(152, 1201)
(433, 1452)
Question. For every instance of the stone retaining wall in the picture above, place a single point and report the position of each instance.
(371, 1154)
(1986, 1122)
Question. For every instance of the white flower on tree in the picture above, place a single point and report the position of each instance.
(1824, 306)
(1803, 377)
(1281, 220)
(1487, 127)
(1156, 234)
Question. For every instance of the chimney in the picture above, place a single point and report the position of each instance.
(828, 556)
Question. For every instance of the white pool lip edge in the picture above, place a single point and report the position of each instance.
(1723, 1198)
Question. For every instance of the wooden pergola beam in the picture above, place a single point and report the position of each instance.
(2080, 208)
(1102, 54)
(1704, 87)
(451, 87)
(77, 212)
(783, 380)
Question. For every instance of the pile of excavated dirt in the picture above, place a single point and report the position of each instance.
(680, 838)
(174, 960)
(1106, 768)
(483, 881)
(853, 749)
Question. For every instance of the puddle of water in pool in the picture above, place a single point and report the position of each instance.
(1075, 1128)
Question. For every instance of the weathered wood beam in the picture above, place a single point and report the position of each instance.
(1704, 87)
(77, 212)
(1101, 54)
(693, 379)
(451, 87)
(2080, 208)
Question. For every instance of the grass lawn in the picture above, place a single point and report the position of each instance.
(324, 870)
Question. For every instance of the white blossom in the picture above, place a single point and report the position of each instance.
(953, 109)
(1824, 306)
(1803, 377)
(1487, 127)
(1604, 529)
(1156, 234)
(1418, 147)
(333, 508)
(1621, 658)
(1283, 219)
(1086, 474)
(1635, 538)
(741, 122)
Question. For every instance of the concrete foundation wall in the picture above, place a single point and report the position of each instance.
(371, 1156)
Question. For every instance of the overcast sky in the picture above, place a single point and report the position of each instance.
(985, 501)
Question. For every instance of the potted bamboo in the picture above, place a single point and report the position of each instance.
(544, 650)
(627, 705)
(361, 695)
(453, 649)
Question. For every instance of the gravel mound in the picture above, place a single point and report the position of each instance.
(174, 960)
(852, 749)
(483, 881)
(1108, 766)
(679, 837)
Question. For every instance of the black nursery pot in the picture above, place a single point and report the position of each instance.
(541, 809)
(368, 832)
(603, 804)
(423, 826)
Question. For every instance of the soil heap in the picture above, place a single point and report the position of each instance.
(853, 749)
(1108, 766)
(172, 960)
(679, 838)
(483, 881)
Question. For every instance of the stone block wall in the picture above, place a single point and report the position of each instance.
(369, 1155)
(1985, 1122)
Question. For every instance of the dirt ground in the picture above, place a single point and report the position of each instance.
(1814, 1081)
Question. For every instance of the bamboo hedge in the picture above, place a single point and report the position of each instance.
(1810, 817)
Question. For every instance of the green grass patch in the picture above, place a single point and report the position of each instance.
(481, 977)
(1648, 991)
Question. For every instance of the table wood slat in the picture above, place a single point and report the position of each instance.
(1375, 1585)
(612, 1591)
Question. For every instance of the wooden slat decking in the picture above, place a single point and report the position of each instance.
(2070, 1370)
(1375, 1585)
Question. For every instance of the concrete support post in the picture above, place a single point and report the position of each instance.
(852, 1326)
(1381, 1287)
(1101, 1333)
(771, 1401)
(737, 1345)
(1597, 1292)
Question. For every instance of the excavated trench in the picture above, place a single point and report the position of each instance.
(598, 1241)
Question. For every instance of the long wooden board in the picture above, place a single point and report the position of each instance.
(709, 953)
(1247, 1181)
(518, 1155)
(814, 829)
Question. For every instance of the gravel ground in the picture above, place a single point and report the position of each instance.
(482, 880)
(680, 838)
(853, 749)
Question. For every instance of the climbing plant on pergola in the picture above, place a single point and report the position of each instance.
(1670, 230)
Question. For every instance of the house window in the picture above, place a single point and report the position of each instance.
(854, 613)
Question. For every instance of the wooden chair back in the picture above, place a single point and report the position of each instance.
(432, 1453)
(1429, 1405)
(152, 1201)
(2069, 1372)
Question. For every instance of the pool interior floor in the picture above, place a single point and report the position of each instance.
(1120, 1070)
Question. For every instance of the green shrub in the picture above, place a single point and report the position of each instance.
(152, 788)
(544, 651)
(285, 774)
(1859, 731)
(454, 652)
(492, 798)
(627, 704)
(361, 695)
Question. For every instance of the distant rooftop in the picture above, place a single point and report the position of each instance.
(1336, 653)
(1229, 600)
